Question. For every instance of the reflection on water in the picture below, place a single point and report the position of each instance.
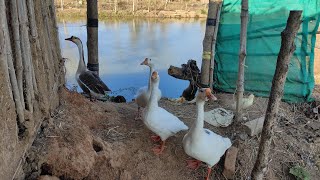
(123, 45)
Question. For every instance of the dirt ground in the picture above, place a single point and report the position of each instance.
(101, 140)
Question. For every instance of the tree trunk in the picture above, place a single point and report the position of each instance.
(207, 41)
(133, 8)
(214, 40)
(92, 36)
(149, 1)
(61, 1)
(287, 48)
(242, 58)
(115, 6)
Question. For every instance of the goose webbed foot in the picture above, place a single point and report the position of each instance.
(193, 163)
(209, 172)
(155, 138)
(159, 148)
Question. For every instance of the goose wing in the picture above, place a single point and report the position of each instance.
(93, 82)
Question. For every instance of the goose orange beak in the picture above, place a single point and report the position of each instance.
(145, 62)
(154, 75)
(210, 95)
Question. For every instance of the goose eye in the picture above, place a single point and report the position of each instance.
(201, 90)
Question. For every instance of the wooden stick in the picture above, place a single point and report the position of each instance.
(207, 41)
(11, 71)
(35, 44)
(213, 45)
(287, 48)
(242, 58)
(17, 48)
(26, 55)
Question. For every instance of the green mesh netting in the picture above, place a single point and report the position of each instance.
(267, 19)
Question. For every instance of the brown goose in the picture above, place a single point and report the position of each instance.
(89, 82)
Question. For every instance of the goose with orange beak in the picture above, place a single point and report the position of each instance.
(158, 120)
(203, 144)
(143, 94)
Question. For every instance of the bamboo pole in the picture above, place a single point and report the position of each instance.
(92, 36)
(214, 41)
(207, 42)
(26, 55)
(17, 48)
(34, 40)
(287, 48)
(10, 67)
(242, 58)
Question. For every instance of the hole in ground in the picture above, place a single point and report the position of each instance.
(97, 146)
(46, 169)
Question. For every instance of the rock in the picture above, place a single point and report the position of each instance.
(47, 177)
(243, 136)
(230, 162)
(255, 126)
(219, 117)
(119, 99)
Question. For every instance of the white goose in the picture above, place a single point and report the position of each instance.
(158, 120)
(143, 94)
(203, 144)
(89, 82)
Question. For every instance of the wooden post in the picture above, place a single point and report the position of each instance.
(207, 41)
(279, 78)
(242, 58)
(214, 40)
(92, 36)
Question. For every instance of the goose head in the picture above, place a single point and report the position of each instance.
(204, 94)
(155, 77)
(74, 39)
(147, 62)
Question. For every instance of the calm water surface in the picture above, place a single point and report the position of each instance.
(123, 45)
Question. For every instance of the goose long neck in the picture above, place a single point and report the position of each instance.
(153, 102)
(151, 70)
(200, 116)
(81, 66)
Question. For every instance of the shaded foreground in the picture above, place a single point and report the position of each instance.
(99, 140)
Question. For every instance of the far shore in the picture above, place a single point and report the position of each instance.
(72, 13)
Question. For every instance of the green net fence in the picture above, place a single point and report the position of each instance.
(267, 19)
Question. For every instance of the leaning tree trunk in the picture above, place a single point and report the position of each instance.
(242, 58)
(287, 48)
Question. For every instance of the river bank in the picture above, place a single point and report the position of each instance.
(81, 13)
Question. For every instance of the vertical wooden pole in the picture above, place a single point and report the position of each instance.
(207, 42)
(92, 36)
(242, 57)
(286, 50)
(214, 40)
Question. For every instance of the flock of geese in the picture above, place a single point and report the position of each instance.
(201, 144)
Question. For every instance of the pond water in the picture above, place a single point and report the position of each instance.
(123, 45)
